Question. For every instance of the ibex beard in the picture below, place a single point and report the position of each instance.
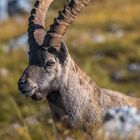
(53, 75)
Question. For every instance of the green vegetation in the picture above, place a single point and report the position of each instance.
(105, 39)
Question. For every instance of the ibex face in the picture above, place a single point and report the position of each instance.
(44, 72)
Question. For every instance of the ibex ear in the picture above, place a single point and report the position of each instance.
(63, 52)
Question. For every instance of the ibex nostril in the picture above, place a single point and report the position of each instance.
(22, 81)
(20, 86)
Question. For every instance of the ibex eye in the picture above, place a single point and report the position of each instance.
(50, 63)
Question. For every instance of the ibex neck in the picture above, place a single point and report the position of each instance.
(78, 92)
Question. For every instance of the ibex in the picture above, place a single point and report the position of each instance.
(52, 74)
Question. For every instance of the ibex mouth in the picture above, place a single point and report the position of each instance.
(29, 92)
(34, 93)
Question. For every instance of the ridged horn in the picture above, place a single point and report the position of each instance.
(36, 30)
(63, 21)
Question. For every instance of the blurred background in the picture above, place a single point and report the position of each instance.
(104, 40)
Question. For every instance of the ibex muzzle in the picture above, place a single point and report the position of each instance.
(28, 83)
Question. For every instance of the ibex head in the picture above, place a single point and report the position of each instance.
(48, 56)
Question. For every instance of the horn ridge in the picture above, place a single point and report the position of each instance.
(36, 29)
(63, 22)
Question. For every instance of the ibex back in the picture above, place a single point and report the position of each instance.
(53, 75)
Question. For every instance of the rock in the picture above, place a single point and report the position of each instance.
(125, 76)
(99, 38)
(134, 67)
(10, 8)
(3, 72)
(118, 76)
(21, 41)
(122, 123)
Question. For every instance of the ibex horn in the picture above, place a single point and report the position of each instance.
(63, 21)
(36, 30)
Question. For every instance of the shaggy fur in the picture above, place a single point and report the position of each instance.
(83, 101)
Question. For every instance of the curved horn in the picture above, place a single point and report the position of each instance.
(63, 21)
(36, 30)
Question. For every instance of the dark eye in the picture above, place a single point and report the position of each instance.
(50, 63)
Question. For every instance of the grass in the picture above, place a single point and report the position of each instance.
(100, 60)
